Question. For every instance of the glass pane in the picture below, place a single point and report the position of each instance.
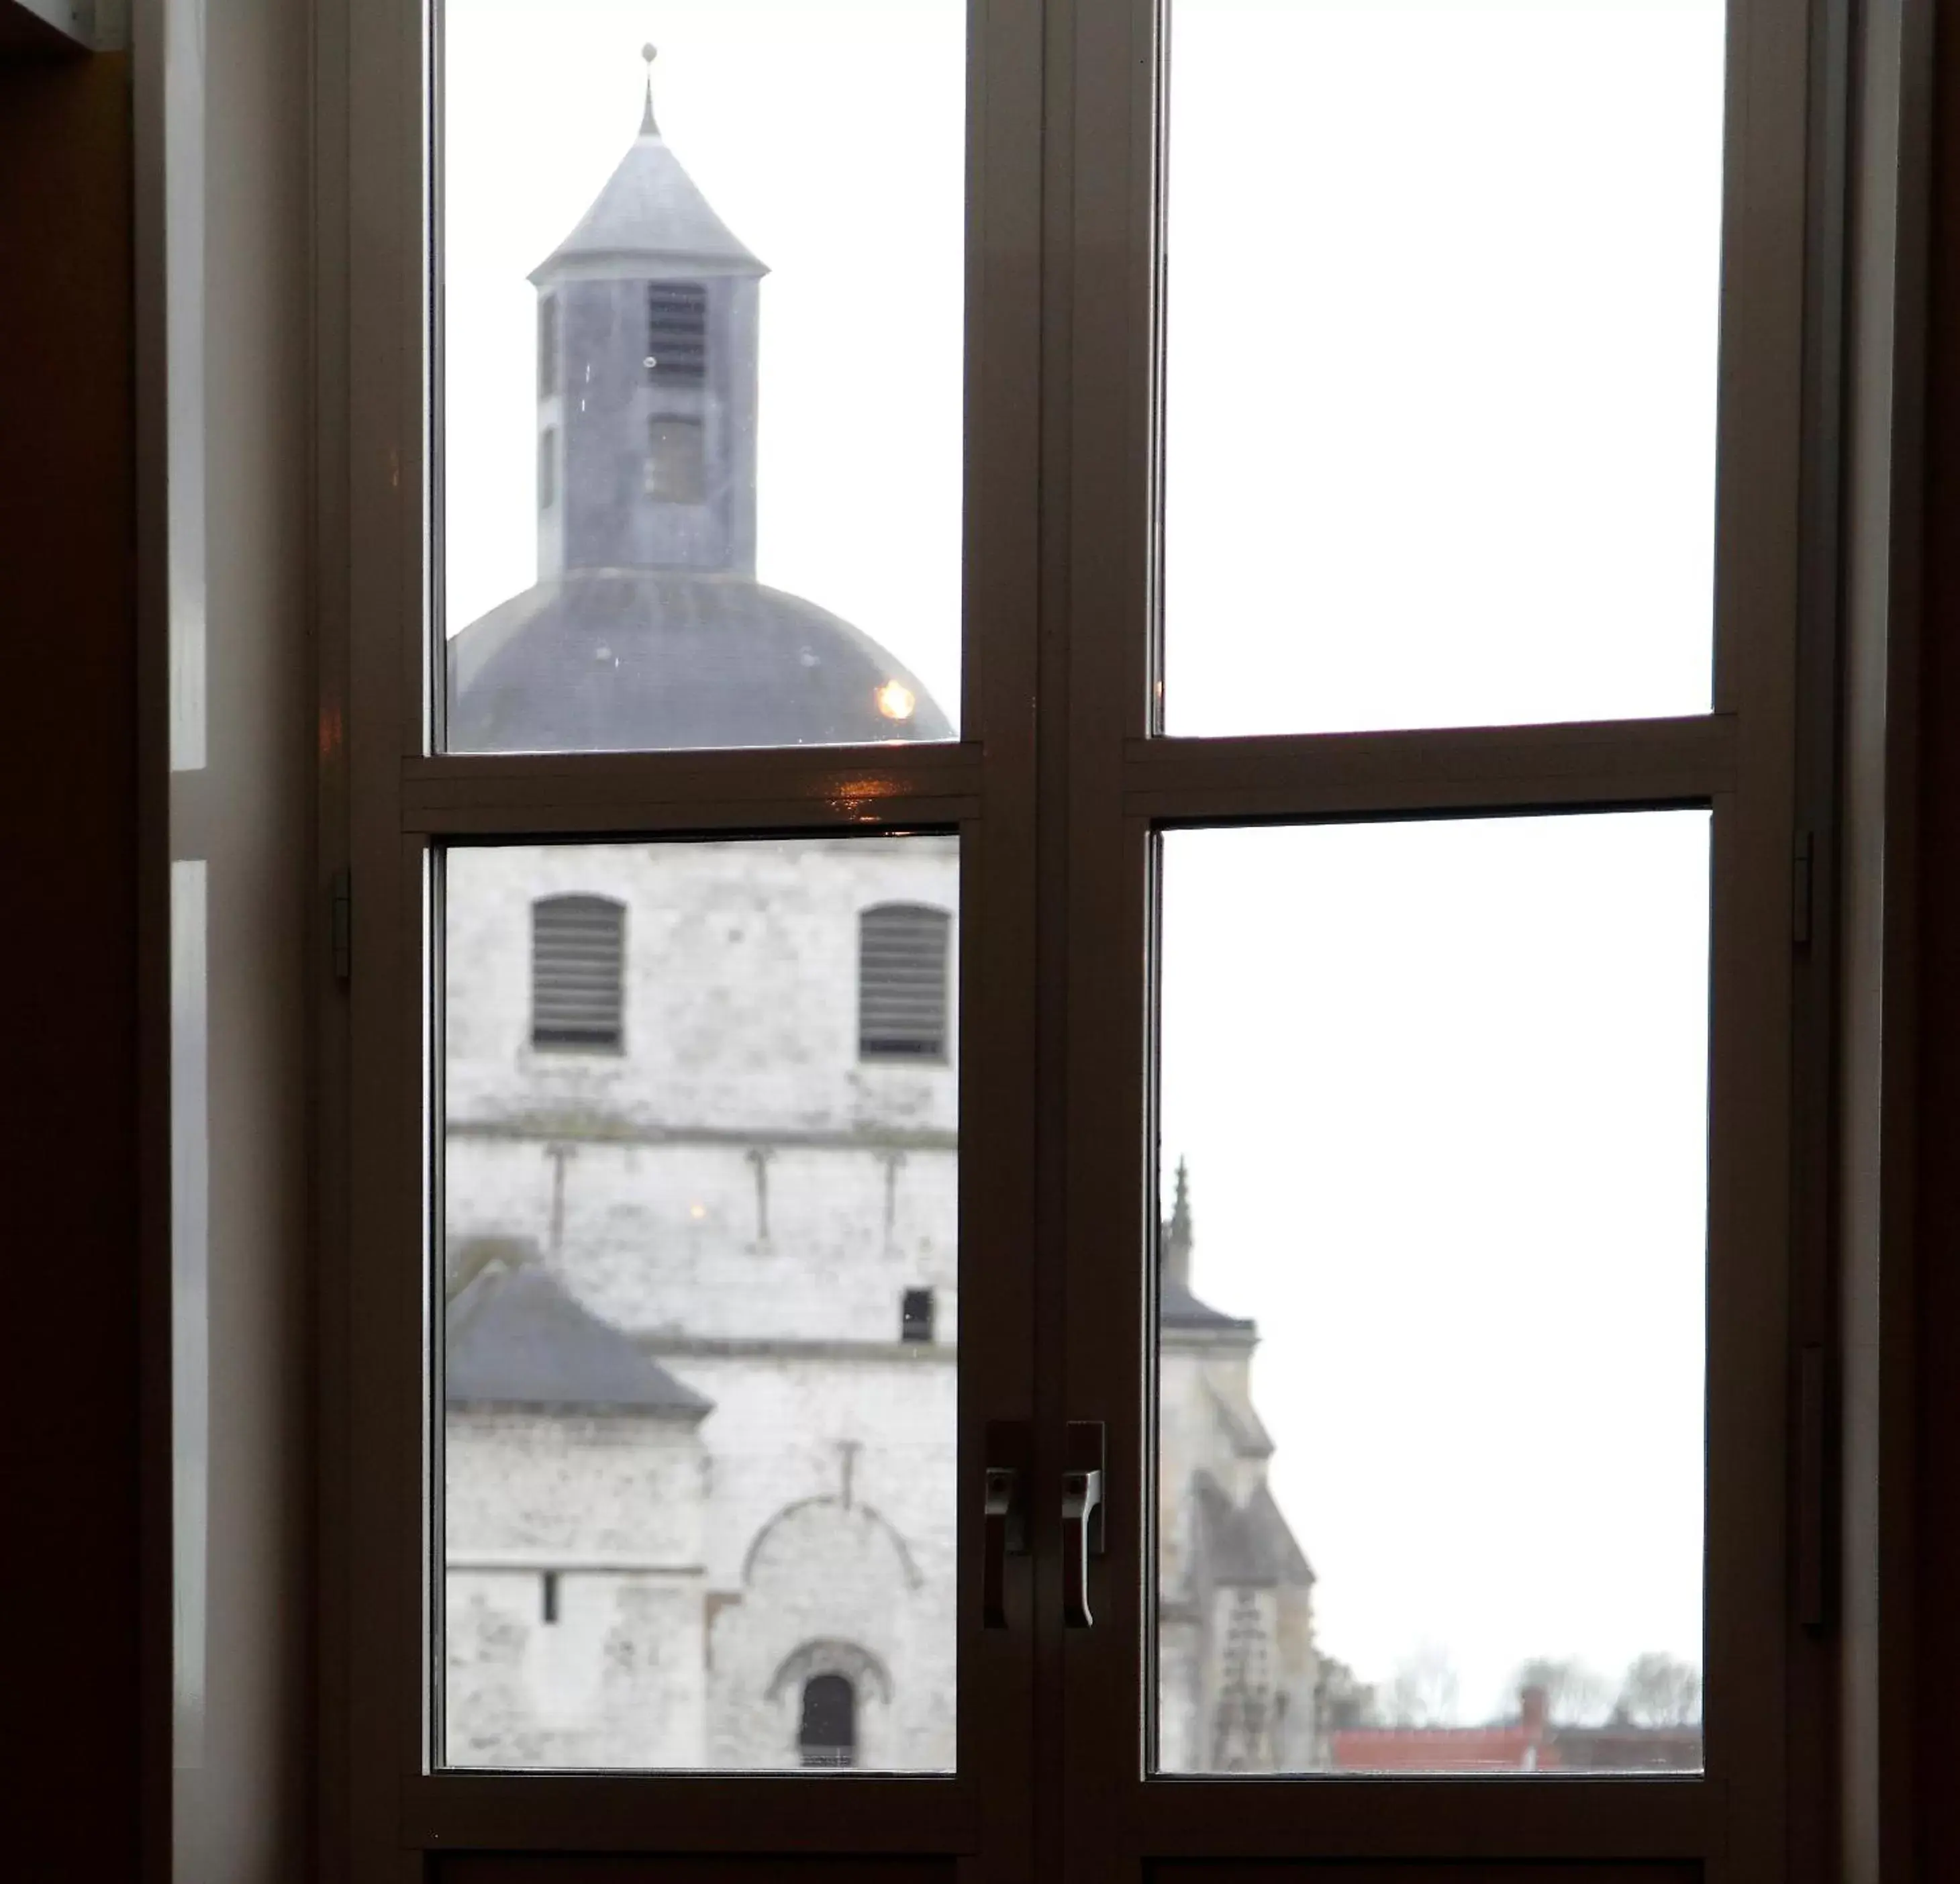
(1432, 1280)
(702, 372)
(702, 1307)
(1440, 378)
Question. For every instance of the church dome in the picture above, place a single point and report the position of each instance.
(640, 660)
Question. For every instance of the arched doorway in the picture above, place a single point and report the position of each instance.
(827, 1726)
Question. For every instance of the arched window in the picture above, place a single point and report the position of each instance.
(827, 1728)
(577, 964)
(902, 953)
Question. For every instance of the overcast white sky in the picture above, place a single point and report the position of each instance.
(1441, 406)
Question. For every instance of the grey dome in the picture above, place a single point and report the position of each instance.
(649, 660)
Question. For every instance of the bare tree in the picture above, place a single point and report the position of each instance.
(1659, 1692)
(1574, 1693)
(1422, 1690)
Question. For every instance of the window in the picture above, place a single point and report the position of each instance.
(902, 951)
(676, 460)
(577, 964)
(548, 1596)
(915, 1316)
(677, 332)
(548, 380)
(1246, 897)
(827, 1728)
(547, 467)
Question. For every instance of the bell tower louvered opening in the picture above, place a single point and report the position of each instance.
(577, 973)
(677, 332)
(901, 981)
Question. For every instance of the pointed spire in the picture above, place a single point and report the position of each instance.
(1177, 1232)
(648, 127)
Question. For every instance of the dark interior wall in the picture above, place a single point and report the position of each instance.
(68, 765)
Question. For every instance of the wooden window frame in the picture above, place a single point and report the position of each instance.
(1823, 243)
(1127, 782)
(394, 799)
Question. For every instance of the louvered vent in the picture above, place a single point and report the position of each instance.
(902, 949)
(577, 960)
(676, 331)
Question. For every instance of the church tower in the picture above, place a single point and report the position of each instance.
(647, 379)
(646, 629)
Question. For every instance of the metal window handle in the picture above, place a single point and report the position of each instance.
(1081, 1518)
(1002, 1483)
(1004, 1516)
(1081, 1504)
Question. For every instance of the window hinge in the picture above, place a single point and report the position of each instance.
(1813, 1493)
(1801, 875)
(340, 925)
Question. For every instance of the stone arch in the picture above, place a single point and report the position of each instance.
(806, 1513)
(828, 1656)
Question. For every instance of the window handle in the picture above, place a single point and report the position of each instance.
(1004, 1517)
(1081, 1518)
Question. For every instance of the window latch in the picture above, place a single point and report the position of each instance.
(1004, 1523)
(1081, 1517)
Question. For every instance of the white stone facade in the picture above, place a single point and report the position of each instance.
(740, 1194)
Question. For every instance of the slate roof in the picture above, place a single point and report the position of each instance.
(627, 659)
(649, 220)
(1247, 1431)
(1177, 1307)
(516, 1338)
(1250, 1547)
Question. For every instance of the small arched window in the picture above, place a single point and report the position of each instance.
(902, 960)
(827, 1728)
(578, 968)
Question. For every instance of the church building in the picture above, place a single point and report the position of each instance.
(699, 1114)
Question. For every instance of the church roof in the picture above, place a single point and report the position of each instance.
(515, 1338)
(1177, 1307)
(1248, 1545)
(649, 219)
(638, 659)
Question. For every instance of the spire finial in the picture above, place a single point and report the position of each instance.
(648, 128)
(1177, 1232)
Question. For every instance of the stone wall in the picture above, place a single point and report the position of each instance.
(575, 1580)
(746, 1200)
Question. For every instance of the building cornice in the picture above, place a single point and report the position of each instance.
(544, 1128)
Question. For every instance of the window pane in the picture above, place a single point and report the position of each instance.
(1440, 377)
(701, 1320)
(702, 372)
(1432, 1280)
